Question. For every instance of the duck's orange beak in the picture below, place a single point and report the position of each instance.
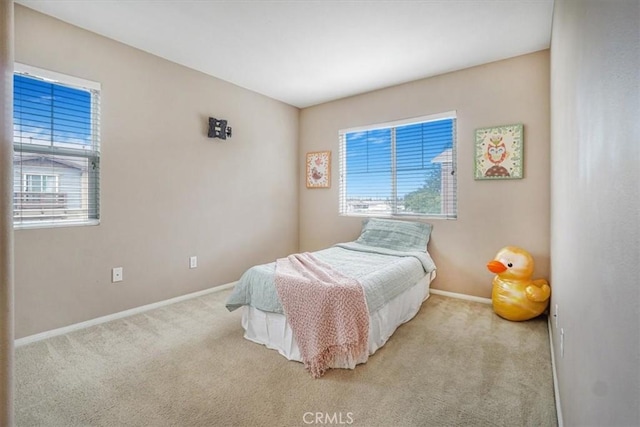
(496, 267)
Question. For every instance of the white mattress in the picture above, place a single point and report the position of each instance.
(273, 331)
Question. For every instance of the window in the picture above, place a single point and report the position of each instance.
(404, 168)
(56, 141)
(40, 183)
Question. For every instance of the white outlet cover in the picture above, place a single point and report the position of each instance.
(116, 275)
(193, 262)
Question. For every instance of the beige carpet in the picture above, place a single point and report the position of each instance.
(455, 364)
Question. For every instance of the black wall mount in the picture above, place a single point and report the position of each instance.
(218, 129)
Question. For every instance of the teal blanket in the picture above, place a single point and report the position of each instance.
(383, 273)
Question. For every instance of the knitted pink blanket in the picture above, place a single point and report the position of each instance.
(327, 311)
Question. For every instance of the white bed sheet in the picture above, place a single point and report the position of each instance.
(273, 331)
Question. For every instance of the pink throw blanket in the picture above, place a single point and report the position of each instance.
(326, 310)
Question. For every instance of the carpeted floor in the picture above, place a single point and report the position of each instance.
(455, 364)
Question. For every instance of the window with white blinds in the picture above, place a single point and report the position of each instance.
(56, 141)
(403, 168)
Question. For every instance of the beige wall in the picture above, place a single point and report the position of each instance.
(595, 209)
(6, 212)
(168, 192)
(490, 214)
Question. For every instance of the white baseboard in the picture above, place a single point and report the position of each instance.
(76, 326)
(556, 389)
(460, 296)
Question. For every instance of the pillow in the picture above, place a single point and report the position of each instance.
(395, 234)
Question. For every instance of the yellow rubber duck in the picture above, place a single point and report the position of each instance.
(515, 296)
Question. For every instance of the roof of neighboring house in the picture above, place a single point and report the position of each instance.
(36, 160)
(445, 157)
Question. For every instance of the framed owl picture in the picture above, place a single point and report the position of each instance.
(499, 152)
(319, 169)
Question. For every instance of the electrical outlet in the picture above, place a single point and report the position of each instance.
(561, 342)
(116, 275)
(193, 262)
(555, 315)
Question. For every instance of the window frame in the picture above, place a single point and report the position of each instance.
(392, 125)
(92, 153)
(27, 177)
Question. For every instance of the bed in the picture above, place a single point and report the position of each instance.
(390, 261)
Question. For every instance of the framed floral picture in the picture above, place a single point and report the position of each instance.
(319, 169)
(499, 152)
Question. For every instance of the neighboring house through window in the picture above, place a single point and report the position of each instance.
(402, 168)
(56, 142)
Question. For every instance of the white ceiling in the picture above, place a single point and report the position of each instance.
(306, 52)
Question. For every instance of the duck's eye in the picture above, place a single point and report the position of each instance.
(509, 265)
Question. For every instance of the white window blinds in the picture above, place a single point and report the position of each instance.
(400, 168)
(56, 140)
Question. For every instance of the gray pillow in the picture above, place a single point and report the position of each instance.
(395, 234)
